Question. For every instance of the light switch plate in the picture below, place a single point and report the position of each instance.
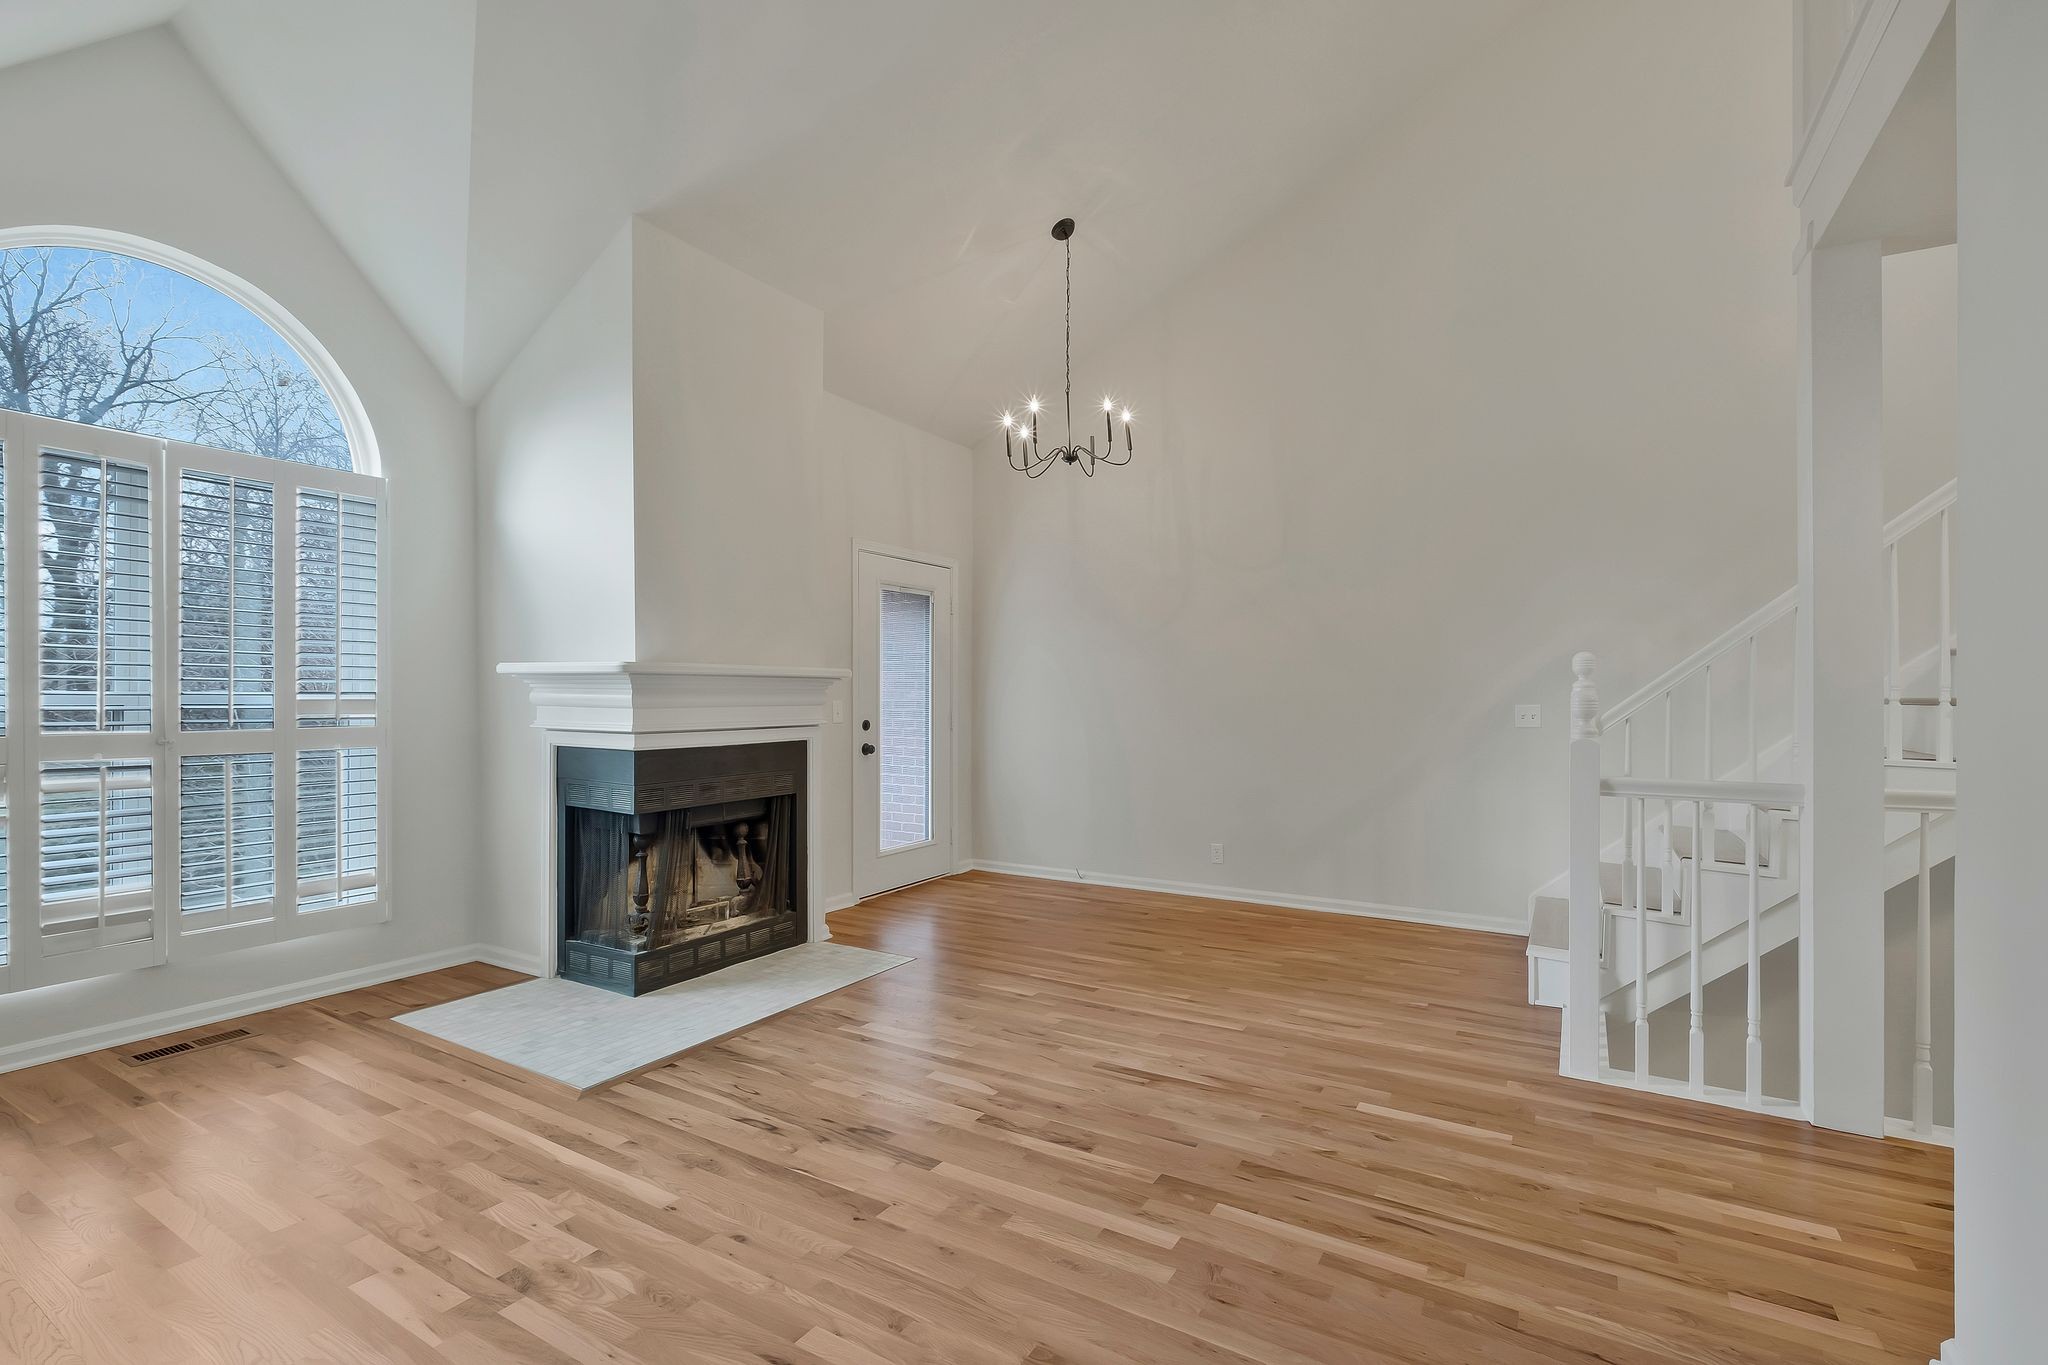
(1528, 716)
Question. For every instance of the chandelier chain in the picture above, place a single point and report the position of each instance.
(1070, 340)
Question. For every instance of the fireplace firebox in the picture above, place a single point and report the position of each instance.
(676, 862)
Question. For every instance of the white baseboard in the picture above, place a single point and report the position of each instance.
(1407, 914)
(840, 901)
(1902, 1129)
(134, 1029)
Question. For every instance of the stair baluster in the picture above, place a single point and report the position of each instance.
(1696, 1033)
(1753, 1053)
(1923, 993)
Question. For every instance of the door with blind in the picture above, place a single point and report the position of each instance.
(903, 720)
(193, 716)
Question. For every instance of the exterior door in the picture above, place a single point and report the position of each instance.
(902, 730)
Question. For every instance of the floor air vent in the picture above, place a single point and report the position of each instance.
(144, 1056)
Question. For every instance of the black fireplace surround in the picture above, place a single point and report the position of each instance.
(676, 862)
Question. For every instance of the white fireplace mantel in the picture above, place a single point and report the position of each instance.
(670, 706)
(672, 698)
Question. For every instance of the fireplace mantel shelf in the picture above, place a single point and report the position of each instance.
(653, 698)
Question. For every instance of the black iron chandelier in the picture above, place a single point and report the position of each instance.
(1020, 431)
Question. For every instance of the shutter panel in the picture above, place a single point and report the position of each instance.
(226, 590)
(95, 856)
(337, 827)
(227, 838)
(337, 608)
(94, 596)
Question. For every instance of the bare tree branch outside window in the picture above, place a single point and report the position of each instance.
(90, 336)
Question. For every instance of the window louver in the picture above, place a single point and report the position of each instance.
(95, 594)
(227, 834)
(337, 827)
(226, 619)
(96, 854)
(337, 609)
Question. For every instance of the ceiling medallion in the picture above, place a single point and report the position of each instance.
(1020, 430)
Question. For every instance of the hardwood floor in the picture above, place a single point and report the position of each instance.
(1085, 1126)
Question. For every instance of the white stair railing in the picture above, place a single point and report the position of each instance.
(1929, 806)
(1727, 799)
(1754, 806)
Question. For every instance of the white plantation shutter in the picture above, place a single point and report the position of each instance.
(82, 549)
(337, 608)
(278, 829)
(337, 827)
(96, 859)
(227, 838)
(94, 594)
(227, 626)
(194, 748)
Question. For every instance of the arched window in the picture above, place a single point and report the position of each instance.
(191, 526)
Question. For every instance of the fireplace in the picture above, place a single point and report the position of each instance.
(676, 862)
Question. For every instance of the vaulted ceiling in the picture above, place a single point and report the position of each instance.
(895, 163)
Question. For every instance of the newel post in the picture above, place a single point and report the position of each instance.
(1586, 939)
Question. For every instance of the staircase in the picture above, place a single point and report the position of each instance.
(1689, 872)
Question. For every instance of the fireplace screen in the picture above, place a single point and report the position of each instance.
(678, 862)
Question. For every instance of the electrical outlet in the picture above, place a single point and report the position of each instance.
(1215, 853)
(1528, 716)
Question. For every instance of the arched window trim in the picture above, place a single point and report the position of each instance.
(362, 440)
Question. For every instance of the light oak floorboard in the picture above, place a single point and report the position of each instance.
(1085, 1126)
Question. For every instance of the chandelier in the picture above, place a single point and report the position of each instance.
(1020, 430)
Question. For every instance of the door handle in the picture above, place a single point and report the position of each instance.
(867, 748)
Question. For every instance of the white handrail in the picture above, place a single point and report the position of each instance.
(1920, 513)
(1765, 616)
(1779, 607)
(1773, 795)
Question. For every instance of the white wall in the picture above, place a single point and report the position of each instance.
(208, 189)
(1919, 374)
(2001, 925)
(753, 484)
(554, 439)
(664, 478)
(1511, 384)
